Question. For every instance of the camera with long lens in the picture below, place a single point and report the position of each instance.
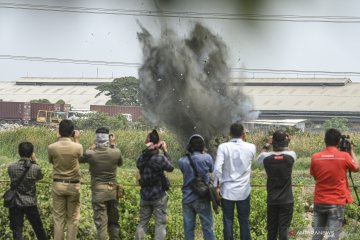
(345, 143)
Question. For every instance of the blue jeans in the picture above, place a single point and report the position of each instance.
(243, 213)
(328, 219)
(201, 207)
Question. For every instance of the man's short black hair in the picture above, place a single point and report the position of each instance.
(66, 128)
(154, 137)
(332, 137)
(280, 139)
(236, 130)
(26, 149)
(102, 130)
(196, 144)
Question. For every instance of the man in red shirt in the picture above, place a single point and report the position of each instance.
(329, 168)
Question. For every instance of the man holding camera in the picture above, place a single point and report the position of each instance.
(104, 158)
(25, 199)
(64, 155)
(192, 203)
(329, 168)
(151, 164)
(278, 165)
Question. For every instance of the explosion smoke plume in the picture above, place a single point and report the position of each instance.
(184, 84)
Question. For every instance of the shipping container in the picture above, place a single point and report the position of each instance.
(111, 110)
(15, 112)
(65, 107)
(36, 107)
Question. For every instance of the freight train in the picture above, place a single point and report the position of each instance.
(27, 113)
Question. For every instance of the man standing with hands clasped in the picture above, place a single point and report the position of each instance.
(232, 173)
(104, 158)
(332, 192)
(64, 155)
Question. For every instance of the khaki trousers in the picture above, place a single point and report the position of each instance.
(66, 209)
(106, 215)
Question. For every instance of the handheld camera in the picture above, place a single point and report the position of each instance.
(345, 143)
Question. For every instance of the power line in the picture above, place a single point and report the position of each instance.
(70, 60)
(128, 64)
(190, 14)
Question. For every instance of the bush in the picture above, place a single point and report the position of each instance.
(95, 120)
(338, 123)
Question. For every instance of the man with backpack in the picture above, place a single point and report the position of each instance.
(196, 164)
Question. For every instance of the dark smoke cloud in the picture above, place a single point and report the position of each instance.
(184, 84)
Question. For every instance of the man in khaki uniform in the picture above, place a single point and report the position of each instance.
(64, 155)
(104, 159)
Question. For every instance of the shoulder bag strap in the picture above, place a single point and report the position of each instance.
(192, 164)
(20, 179)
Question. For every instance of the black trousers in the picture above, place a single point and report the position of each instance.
(16, 216)
(278, 220)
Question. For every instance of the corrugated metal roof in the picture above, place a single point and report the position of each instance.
(290, 81)
(62, 81)
(321, 97)
(289, 122)
(306, 98)
(77, 96)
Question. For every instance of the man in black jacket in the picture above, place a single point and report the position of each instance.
(25, 199)
(151, 164)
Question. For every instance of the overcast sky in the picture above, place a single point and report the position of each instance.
(98, 38)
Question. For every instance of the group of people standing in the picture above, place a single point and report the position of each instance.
(65, 155)
(231, 177)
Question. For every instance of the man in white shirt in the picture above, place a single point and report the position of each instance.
(232, 174)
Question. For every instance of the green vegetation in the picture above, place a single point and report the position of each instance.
(40, 101)
(123, 91)
(60, 101)
(131, 143)
(92, 121)
(337, 122)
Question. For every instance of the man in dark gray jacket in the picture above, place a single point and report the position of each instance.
(25, 199)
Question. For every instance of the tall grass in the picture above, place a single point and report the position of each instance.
(131, 144)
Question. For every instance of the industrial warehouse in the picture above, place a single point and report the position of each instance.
(282, 101)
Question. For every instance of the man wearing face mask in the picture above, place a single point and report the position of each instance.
(104, 158)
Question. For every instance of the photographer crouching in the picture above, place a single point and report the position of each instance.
(332, 192)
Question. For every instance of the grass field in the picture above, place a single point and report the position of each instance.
(131, 143)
